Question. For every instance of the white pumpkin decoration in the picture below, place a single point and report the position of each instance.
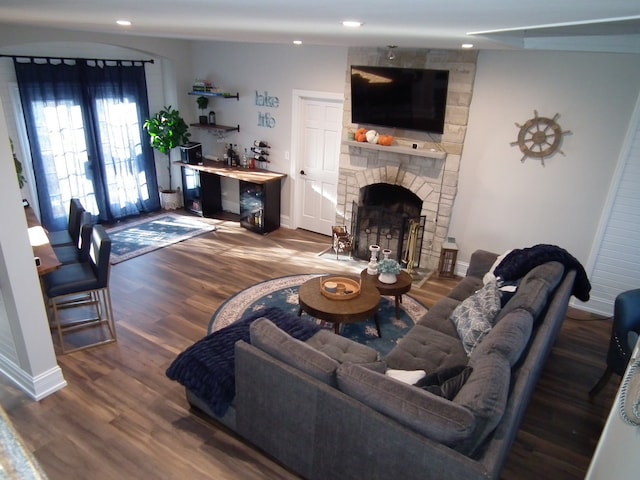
(372, 136)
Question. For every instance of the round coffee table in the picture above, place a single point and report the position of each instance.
(402, 285)
(357, 309)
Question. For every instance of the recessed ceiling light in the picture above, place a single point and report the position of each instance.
(351, 23)
(467, 45)
(297, 42)
(123, 23)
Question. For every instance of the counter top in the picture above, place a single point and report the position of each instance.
(255, 175)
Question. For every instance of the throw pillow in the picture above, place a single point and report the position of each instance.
(406, 376)
(446, 382)
(473, 318)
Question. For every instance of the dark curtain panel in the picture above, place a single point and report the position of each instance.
(84, 122)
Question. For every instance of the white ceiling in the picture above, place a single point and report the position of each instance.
(590, 25)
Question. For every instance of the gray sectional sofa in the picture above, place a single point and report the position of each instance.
(325, 408)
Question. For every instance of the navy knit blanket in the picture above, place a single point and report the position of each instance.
(518, 262)
(207, 368)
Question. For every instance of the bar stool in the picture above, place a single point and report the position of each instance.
(84, 287)
(69, 236)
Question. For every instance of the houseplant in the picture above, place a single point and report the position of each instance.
(389, 269)
(19, 171)
(203, 103)
(167, 130)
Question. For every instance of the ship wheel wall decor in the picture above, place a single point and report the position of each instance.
(539, 137)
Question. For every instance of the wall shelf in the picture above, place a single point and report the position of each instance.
(216, 127)
(420, 152)
(217, 94)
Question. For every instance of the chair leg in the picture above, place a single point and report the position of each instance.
(100, 300)
(602, 382)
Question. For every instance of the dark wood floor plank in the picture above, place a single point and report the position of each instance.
(121, 417)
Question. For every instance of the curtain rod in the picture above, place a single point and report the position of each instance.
(32, 58)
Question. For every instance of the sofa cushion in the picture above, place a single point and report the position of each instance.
(342, 349)
(424, 348)
(446, 382)
(509, 337)
(485, 394)
(473, 318)
(465, 288)
(416, 409)
(534, 289)
(266, 336)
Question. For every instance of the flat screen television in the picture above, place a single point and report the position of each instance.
(408, 98)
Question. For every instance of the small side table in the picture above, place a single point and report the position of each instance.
(402, 285)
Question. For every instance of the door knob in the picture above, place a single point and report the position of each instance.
(302, 172)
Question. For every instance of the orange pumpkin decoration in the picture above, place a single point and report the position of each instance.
(385, 140)
(361, 135)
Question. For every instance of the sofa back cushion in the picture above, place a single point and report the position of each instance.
(535, 289)
(485, 394)
(266, 336)
(508, 338)
(419, 410)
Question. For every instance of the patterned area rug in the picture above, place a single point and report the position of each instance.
(283, 293)
(137, 238)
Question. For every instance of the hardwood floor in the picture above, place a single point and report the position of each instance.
(121, 417)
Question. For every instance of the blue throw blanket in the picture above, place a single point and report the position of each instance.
(207, 368)
(518, 262)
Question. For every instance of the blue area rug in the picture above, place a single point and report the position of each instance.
(283, 293)
(143, 236)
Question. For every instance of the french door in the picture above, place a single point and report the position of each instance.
(86, 138)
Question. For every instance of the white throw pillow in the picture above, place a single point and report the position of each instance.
(406, 376)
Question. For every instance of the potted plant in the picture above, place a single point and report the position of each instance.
(19, 171)
(389, 269)
(203, 103)
(167, 130)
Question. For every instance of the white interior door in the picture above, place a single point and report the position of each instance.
(317, 133)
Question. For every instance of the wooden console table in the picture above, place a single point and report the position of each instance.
(40, 243)
(259, 193)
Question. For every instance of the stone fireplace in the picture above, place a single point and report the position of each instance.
(428, 170)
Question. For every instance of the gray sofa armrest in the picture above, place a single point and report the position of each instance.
(480, 263)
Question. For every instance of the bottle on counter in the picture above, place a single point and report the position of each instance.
(245, 157)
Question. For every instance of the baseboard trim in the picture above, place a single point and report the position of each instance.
(36, 387)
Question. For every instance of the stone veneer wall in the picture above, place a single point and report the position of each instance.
(434, 180)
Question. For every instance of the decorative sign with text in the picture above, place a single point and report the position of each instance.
(266, 119)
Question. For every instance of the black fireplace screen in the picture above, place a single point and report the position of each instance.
(388, 228)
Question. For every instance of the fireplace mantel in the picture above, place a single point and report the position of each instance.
(417, 152)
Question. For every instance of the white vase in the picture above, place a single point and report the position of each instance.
(372, 267)
(388, 277)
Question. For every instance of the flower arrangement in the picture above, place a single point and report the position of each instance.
(388, 265)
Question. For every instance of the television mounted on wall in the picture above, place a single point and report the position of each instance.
(407, 98)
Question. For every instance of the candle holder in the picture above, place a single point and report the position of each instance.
(372, 267)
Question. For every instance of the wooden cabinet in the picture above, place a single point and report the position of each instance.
(260, 206)
(259, 194)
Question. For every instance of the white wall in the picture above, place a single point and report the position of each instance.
(503, 203)
(276, 69)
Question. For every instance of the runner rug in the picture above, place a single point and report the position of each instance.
(143, 236)
(283, 293)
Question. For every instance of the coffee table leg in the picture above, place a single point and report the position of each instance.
(375, 318)
(336, 328)
(398, 302)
